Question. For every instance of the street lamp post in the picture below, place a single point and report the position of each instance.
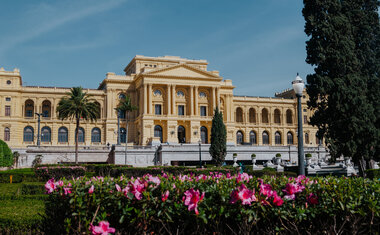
(126, 137)
(200, 153)
(118, 127)
(38, 131)
(298, 86)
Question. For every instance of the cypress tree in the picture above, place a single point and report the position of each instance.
(218, 148)
(343, 91)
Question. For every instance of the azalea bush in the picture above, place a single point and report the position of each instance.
(216, 202)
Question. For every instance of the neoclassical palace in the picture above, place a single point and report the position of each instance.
(175, 99)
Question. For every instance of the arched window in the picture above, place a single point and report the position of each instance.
(307, 138)
(181, 134)
(252, 137)
(123, 135)
(158, 132)
(204, 135)
(265, 137)
(277, 116)
(96, 135)
(7, 134)
(290, 138)
(28, 134)
(252, 115)
(264, 116)
(157, 93)
(277, 138)
(289, 116)
(46, 108)
(239, 137)
(81, 135)
(121, 96)
(45, 134)
(63, 135)
(29, 108)
(239, 115)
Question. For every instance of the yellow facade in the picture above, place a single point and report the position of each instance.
(175, 96)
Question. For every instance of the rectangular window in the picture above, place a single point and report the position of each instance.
(157, 109)
(7, 110)
(8, 99)
(181, 110)
(305, 119)
(203, 111)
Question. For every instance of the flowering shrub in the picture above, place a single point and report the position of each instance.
(48, 172)
(216, 202)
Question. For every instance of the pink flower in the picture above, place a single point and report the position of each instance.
(103, 228)
(137, 187)
(50, 186)
(291, 189)
(67, 190)
(165, 196)
(312, 199)
(118, 188)
(266, 189)
(154, 179)
(174, 186)
(60, 183)
(245, 195)
(192, 198)
(91, 190)
(277, 200)
(242, 177)
(125, 191)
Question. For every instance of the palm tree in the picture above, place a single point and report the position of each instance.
(125, 106)
(76, 105)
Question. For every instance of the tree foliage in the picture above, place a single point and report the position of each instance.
(78, 105)
(6, 156)
(218, 148)
(344, 89)
(125, 105)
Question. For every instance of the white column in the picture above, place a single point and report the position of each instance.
(196, 100)
(218, 97)
(192, 100)
(145, 99)
(150, 98)
(173, 100)
(168, 103)
(213, 98)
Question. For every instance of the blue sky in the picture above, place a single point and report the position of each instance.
(259, 44)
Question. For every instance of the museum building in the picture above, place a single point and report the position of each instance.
(175, 99)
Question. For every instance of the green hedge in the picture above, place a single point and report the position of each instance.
(32, 188)
(18, 175)
(6, 155)
(48, 172)
(373, 173)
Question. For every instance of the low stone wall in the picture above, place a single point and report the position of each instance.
(159, 155)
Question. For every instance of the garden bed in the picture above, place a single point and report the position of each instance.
(214, 203)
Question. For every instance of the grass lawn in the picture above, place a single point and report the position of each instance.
(20, 207)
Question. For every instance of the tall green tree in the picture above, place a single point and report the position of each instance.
(125, 106)
(218, 148)
(344, 89)
(6, 156)
(77, 105)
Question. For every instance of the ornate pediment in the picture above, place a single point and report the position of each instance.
(182, 70)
